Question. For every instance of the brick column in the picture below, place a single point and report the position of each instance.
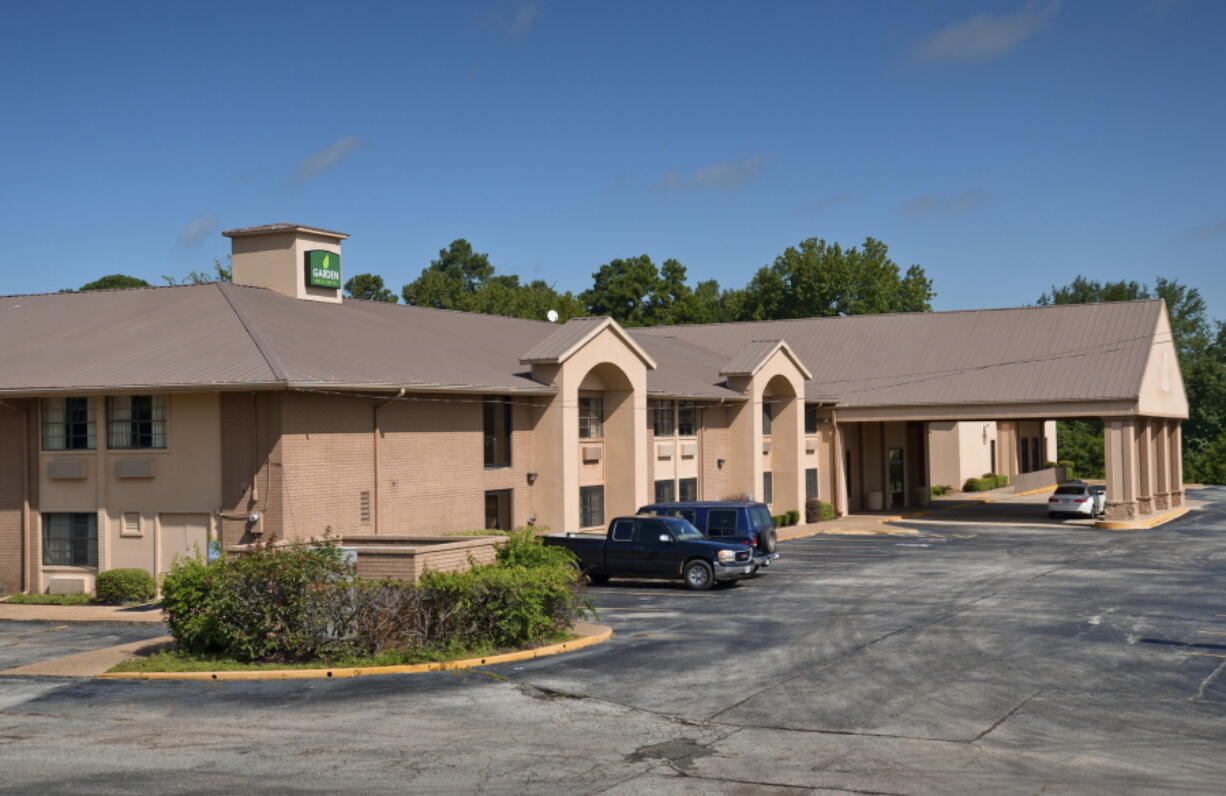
(1145, 464)
(1120, 449)
(1175, 460)
(1162, 467)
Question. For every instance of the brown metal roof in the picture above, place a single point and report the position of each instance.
(754, 354)
(164, 336)
(1052, 353)
(573, 334)
(222, 335)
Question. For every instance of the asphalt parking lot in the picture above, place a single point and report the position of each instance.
(966, 659)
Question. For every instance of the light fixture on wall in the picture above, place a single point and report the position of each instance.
(532, 478)
(719, 463)
(985, 433)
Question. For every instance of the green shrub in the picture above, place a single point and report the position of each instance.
(49, 599)
(793, 517)
(778, 520)
(979, 484)
(1001, 480)
(524, 548)
(301, 603)
(1070, 470)
(118, 586)
(944, 489)
(828, 512)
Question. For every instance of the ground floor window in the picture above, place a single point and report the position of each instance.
(768, 488)
(811, 483)
(591, 506)
(498, 510)
(70, 540)
(689, 488)
(664, 491)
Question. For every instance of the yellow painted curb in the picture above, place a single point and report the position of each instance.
(1133, 525)
(1031, 491)
(600, 635)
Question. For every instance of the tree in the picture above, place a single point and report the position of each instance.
(463, 279)
(1201, 345)
(458, 270)
(818, 279)
(114, 282)
(221, 273)
(368, 287)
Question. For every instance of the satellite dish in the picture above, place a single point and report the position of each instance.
(552, 315)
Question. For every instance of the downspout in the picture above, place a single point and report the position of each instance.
(27, 545)
(374, 495)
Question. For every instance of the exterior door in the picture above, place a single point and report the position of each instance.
(182, 535)
(897, 478)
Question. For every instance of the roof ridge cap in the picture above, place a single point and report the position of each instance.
(257, 339)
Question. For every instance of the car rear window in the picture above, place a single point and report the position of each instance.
(1070, 490)
(760, 518)
(721, 522)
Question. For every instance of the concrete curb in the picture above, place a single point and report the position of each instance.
(589, 635)
(1140, 525)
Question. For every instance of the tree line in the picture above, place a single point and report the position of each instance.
(811, 279)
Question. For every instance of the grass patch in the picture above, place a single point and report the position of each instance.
(49, 599)
(174, 660)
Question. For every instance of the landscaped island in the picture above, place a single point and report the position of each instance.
(302, 606)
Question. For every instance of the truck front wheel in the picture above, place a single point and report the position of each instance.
(698, 575)
(597, 578)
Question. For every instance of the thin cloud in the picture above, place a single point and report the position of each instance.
(317, 163)
(985, 37)
(729, 175)
(1210, 230)
(518, 23)
(937, 205)
(829, 201)
(197, 228)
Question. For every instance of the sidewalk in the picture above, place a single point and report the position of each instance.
(133, 614)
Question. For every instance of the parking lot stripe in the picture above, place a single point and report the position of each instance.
(1204, 654)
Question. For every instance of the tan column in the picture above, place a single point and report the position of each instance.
(1175, 458)
(1120, 453)
(1145, 463)
(1162, 464)
(836, 462)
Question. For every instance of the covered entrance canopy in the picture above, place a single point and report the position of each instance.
(887, 374)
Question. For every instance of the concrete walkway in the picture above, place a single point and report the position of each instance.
(80, 613)
(86, 664)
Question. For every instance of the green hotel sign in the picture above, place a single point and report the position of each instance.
(323, 269)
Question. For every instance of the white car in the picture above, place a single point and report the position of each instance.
(1077, 499)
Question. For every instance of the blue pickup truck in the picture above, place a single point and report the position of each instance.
(656, 547)
(737, 521)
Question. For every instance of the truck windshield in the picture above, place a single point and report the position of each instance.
(760, 518)
(683, 530)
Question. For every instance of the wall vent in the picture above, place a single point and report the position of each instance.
(131, 524)
(364, 507)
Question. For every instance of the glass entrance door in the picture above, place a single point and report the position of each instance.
(896, 476)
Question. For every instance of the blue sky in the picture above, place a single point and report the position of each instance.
(1004, 146)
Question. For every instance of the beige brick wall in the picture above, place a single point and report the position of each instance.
(714, 445)
(251, 438)
(12, 497)
(327, 446)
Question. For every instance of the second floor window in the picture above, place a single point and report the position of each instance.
(497, 427)
(591, 418)
(136, 421)
(810, 419)
(68, 424)
(687, 419)
(662, 418)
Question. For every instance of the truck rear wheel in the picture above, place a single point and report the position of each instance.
(698, 575)
(597, 578)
